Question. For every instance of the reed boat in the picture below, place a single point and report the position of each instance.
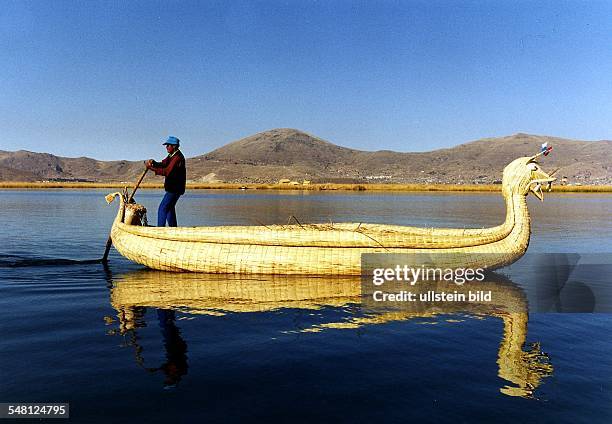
(523, 366)
(328, 249)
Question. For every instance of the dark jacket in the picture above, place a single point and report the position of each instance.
(173, 168)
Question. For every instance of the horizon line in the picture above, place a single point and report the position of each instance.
(324, 140)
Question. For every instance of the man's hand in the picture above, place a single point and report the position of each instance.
(149, 164)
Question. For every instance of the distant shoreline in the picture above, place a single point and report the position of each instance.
(310, 187)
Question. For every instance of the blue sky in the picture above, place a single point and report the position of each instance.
(111, 79)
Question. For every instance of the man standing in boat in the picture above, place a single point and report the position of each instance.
(173, 168)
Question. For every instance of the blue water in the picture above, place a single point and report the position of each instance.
(126, 343)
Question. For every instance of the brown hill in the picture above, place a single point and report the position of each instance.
(30, 166)
(288, 153)
(282, 146)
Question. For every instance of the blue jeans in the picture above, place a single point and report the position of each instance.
(166, 210)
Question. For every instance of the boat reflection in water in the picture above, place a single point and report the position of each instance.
(190, 293)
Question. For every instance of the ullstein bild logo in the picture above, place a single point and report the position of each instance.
(544, 282)
(432, 296)
(411, 276)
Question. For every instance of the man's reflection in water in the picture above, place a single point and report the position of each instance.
(131, 318)
(175, 366)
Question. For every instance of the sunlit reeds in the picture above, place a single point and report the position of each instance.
(310, 187)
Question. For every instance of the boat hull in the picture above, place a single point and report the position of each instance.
(239, 258)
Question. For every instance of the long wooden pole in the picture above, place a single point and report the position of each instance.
(109, 241)
(138, 184)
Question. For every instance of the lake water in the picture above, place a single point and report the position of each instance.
(128, 343)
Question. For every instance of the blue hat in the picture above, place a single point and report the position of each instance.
(173, 141)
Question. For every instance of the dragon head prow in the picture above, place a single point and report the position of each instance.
(524, 175)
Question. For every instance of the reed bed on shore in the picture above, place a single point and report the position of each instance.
(310, 187)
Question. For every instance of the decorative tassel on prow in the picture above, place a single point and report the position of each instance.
(545, 150)
(111, 196)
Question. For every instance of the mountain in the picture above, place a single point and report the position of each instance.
(288, 153)
(282, 147)
(30, 166)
